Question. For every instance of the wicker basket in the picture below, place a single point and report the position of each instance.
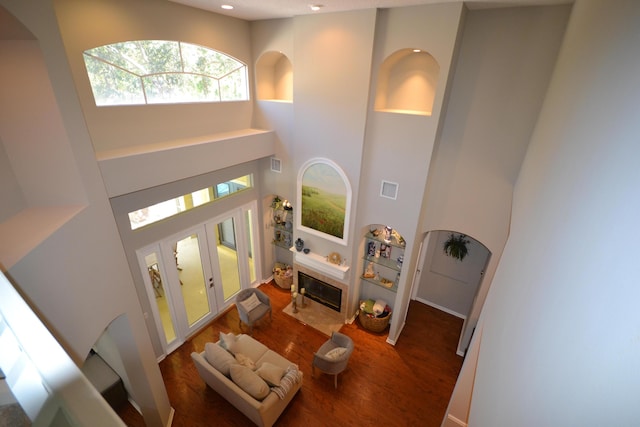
(281, 277)
(283, 281)
(374, 324)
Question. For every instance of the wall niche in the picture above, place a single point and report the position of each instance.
(274, 77)
(407, 83)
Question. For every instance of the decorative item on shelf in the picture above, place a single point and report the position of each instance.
(288, 225)
(387, 234)
(374, 232)
(371, 249)
(306, 250)
(456, 246)
(286, 205)
(386, 283)
(303, 292)
(287, 240)
(299, 244)
(334, 258)
(369, 273)
(276, 203)
(399, 261)
(399, 238)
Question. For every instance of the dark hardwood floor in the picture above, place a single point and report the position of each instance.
(408, 384)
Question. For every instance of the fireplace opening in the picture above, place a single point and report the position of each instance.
(320, 291)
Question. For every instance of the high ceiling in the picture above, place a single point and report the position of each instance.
(254, 10)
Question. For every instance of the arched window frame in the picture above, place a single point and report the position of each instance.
(123, 74)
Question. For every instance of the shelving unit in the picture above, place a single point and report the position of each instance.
(283, 228)
(383, 258)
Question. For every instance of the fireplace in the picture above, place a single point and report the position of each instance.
(320, 291)
(335, 290)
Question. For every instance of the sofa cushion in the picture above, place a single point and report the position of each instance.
(245, 361)
(249, 381)
(219, 358)
(227, 341)
(271, 373)
(250, 347)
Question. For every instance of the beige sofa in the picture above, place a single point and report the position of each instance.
(214, 366)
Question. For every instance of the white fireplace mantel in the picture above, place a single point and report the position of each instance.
(320, 263)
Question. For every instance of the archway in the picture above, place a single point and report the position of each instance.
(447, 283)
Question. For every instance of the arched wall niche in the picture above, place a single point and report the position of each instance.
(407, 83)
(274, 77)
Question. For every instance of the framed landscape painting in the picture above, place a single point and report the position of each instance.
(325, 200)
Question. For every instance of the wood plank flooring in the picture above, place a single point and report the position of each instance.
(408, 384)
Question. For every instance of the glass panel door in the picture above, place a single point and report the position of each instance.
(248, 218)
(193, 285)
(224, 252)
(153, 274)
(190, 280)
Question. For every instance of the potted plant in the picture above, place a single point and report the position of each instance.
(456, 246)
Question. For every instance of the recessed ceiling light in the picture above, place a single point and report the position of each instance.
(227, 7)
(416, 50)
(315, 7)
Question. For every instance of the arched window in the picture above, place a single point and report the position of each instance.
(163, 72)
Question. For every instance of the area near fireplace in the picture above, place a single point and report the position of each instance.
(337, 287)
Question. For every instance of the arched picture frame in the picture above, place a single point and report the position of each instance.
(324, 196)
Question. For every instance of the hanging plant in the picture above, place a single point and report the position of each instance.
(456, 246)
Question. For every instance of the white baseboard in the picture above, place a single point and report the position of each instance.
(453, 421)
(171, 414)
(446, 310)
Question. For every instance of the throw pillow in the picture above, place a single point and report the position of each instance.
(336, 353)
(250, 303)
(271, 373)
(219, 358)
(227, 341)
(249, 381)
(245, 361)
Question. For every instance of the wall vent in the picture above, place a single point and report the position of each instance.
(389, 190)
(276, 165)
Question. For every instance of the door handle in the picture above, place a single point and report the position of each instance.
(211, 282)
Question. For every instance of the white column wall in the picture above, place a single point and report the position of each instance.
(560, 339)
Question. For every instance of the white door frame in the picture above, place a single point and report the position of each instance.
(211, 270)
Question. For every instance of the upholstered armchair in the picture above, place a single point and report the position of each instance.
(332, 356)
(252, 305)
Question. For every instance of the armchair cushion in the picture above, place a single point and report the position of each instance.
(336, 353)
(250, 303)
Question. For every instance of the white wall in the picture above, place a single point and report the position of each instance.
(127, 126)
(560, 337)
(504, 66)
(77, 279)
(448, 283)
(399, 147)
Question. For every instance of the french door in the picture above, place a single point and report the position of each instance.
(193, 275)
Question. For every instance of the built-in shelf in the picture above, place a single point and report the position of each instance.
(390, 286)
(407, 83)
(320, 264)
(274, 77)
